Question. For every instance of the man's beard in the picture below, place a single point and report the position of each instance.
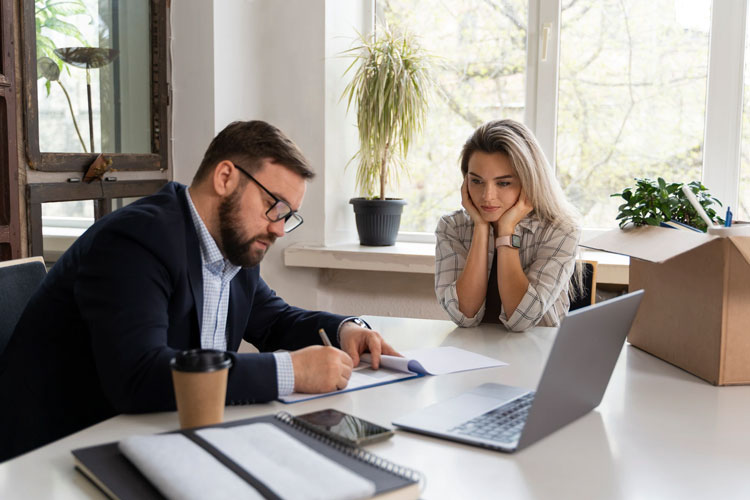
(237, 250)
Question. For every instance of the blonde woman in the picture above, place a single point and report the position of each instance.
(508, 256)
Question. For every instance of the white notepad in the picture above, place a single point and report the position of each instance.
(415, 363)
(180, 469)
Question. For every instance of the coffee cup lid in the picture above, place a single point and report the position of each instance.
(201, 360)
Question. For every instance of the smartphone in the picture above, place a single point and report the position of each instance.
(343, 427)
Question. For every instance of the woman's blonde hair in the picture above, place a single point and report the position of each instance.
(538, 181)
(537, 178)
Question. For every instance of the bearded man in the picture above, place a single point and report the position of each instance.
(176, 270)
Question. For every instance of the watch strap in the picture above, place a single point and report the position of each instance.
(508, 241)
(354, 319)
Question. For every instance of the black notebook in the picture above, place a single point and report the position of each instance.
(117, 477)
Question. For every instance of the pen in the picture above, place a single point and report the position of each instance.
(324, 338)
(728, 218)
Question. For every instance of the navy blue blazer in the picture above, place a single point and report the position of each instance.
(97, 337)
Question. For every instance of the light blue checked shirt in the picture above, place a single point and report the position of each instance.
(218, 273)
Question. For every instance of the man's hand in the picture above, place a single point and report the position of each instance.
(320, 369)
(355, 340)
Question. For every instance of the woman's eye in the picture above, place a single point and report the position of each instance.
(503, 184)
(476, 181)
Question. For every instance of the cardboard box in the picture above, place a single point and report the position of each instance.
(695, 313)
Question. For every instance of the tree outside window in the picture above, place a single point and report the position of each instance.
(631, 99)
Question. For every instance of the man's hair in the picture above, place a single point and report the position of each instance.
(250, 143)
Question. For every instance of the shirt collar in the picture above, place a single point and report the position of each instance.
(211, 256)
(529, 223)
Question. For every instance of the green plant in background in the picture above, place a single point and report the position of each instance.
(652, 202)
(46, 67)
(48, 15)
(390, 86)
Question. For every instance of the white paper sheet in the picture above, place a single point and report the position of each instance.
(362, 377)
(416, 362)
(446, 359)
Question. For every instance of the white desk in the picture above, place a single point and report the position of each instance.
(659, 433)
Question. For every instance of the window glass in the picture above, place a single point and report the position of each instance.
(631, 97)
(480, 50)
(742, 212)
(106, 41)
(83, 209)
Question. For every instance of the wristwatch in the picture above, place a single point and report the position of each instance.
(358, 322)
(513, 241)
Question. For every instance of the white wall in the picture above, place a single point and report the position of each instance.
(192, 84)
(279, 61)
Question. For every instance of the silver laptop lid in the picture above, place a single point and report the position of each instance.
(580, 365)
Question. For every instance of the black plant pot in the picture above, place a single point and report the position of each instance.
(377, 220)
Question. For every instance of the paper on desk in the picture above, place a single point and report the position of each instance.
(437, 361)
(415, 363)
(362, 377)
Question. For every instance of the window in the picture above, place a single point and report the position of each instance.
(742, 210)
(95, 82)
(10, 237)
(107, 45)
(628, 88)
(480, 54)
(631, 97)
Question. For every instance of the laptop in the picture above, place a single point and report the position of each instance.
(577, 372)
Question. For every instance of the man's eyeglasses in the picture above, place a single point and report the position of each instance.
(280, 210)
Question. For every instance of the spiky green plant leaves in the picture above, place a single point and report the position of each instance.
(390, 87)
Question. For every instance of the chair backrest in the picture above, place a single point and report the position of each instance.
(19, 279)
(587, 294)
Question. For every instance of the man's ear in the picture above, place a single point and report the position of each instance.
(224, 178)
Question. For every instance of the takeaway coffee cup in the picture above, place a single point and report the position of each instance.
(200, 386)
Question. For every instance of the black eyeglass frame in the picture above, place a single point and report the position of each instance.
(292, 215)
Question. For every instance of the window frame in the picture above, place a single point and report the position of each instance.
(722, 122)
(138, 168)
(10, 219)
(101, 194)
(724, 93)
(79, 162)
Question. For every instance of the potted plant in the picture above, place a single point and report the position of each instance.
(657, 202)
(390, 86)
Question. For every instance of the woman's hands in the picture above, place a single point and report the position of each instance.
(468, 204)
(507, 222)
(506, 225)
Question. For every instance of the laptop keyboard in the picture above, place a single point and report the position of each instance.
(503, 424)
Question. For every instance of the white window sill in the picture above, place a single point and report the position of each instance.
(407, 257)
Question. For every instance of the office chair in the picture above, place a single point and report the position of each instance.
(587, 295)
(19, 280)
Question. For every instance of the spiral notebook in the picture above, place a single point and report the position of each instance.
(360, 474)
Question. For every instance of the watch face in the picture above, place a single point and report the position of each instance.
(515, 241)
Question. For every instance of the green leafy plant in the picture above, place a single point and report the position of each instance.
(49, 15)
(652, 202)
(390, 87)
